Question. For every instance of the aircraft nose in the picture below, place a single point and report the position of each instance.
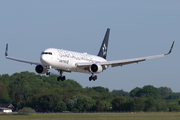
(43, 59)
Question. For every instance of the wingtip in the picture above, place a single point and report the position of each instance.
(6, 52)
(170, 49)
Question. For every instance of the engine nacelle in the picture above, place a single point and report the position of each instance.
(96, 68)
(40, 69)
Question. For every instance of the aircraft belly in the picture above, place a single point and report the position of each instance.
(74, 68)
(65, 65)
(71, 66)
(61, 65)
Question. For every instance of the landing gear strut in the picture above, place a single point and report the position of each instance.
(48, 73)
(61, 77)
(92, 77)
(47, 70)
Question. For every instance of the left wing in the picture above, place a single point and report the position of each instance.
(20, 60)
(125, 62)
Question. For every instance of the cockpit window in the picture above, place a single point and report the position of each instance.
(50, 53)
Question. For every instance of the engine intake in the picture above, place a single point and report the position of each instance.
(40, 69)
(96, 68)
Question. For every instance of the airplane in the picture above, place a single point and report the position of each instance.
(70, 61)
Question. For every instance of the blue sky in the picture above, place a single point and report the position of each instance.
(138, 28)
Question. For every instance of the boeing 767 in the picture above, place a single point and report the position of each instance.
(70, 61)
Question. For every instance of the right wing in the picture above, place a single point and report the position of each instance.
(134, 60)
(124, 62)
(20, 60)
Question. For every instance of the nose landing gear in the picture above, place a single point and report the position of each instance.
(47, 71)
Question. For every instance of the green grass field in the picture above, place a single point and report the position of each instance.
(94, 116)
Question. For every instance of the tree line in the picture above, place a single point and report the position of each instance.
(44, 94)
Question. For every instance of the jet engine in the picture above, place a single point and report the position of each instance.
(96, 68)
(40, 69)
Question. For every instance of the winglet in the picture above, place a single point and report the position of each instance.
(170, 49)
(6, 52)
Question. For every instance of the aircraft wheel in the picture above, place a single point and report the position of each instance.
(90, 78)
(95, 77)
(63, 78)
(48, 73)
(59, 78)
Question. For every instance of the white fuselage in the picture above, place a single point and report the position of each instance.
(66, 60)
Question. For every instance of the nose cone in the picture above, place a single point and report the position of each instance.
(44, 59)
(46, 56)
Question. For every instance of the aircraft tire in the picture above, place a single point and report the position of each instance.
(59, 78)
(63, 78)
(48, 73)
(95, 77)
(90, 78)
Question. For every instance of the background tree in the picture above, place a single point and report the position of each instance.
(149, 104)
(173, 106)
(48, 102)
(85, 104)
(118, 104)
(163, 106)
(45, 93)
(61, 106)
(173, 96)
(135, 92)
(99, 105)
(101, 89)
(164, 92)
(149, 91)
(120, 93)
(4, 96)
(179, 102)
(135, 104)
(80, 102)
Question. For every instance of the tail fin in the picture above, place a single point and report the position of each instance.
(104, 46)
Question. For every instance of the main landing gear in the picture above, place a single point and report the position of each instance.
(61, 77)
(92, 77)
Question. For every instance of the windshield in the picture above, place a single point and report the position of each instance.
(50, 53)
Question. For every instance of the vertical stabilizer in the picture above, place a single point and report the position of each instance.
(103, 50)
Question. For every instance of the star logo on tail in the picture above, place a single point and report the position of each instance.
(104, 48)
